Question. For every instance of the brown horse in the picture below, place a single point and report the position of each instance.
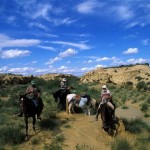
(29, 110)
(108, 120)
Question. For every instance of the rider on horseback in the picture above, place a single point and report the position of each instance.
(63, 84)
(33, 93)
(106, 97)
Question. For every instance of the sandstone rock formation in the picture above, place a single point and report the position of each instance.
(118, 75)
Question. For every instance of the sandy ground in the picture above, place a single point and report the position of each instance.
(86, 133)
(83, 133)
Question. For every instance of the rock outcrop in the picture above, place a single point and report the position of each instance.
(118, 75)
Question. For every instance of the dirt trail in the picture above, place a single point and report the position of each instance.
(86, 133)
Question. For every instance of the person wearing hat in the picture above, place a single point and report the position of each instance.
(63, 84)
(34, 93)
(106, 97)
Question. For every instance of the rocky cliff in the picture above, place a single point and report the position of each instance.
(118, 75)
(14, 79)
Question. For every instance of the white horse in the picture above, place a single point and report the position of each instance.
(85, 103)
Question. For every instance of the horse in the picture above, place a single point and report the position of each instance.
(109, 122)
(29, 110)
(60, 97)
(85, 104)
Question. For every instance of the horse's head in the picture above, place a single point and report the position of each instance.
(22, 98)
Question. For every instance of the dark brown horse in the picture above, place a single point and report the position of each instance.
(108, 120)
(29, 110)
(60, 97)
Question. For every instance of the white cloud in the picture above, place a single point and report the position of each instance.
(41, 11)
(146, 42)
(4, 54)
(39, 25)
(100, 66)
(106, 59)
(89, 6)
(67, 53)
(131, 51)
(9, 42)
(51, 61)
(139, 60)
(124, 12)
(63, 67)
(47, 47)
(82, 46)
(64, 21)
(103, 59)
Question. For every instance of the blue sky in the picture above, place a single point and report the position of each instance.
(72, 36)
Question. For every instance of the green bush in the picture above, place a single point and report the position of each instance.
(144, 107)
(3, 119)
(135, 126)
(11, 135)
(141, 85)
(138, 78)
(47, 124)
(121, 144)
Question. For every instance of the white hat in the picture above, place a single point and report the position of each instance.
(64, 79)
(104, 87)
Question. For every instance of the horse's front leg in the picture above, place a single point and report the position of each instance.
(26, 122)
(34, 121)
(89, 112)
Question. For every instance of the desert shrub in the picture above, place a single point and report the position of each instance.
(1, 103)
(123, 99)
(13, 100)
(141, 85)
(124, 107)
(3, 119)
(59, 138)
(142, 142)
(135, 126)
(40, 81)
(148, 100)
(144, 107)
(35, 141)
(138, 78)
(146, 115)
(11, 135)
(49, 113)
(83, 147)
(121, 144)
(47, 124)
(54, 146)
(129, 84)
(56, 143)
(67, 126)
(4, 92)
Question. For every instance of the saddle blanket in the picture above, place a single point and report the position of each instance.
(83, 101)
(70, 97)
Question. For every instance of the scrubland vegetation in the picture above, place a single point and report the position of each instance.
(12, 128)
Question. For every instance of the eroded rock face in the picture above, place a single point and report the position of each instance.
(14, 79)
(118, 75)
(11, 79)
